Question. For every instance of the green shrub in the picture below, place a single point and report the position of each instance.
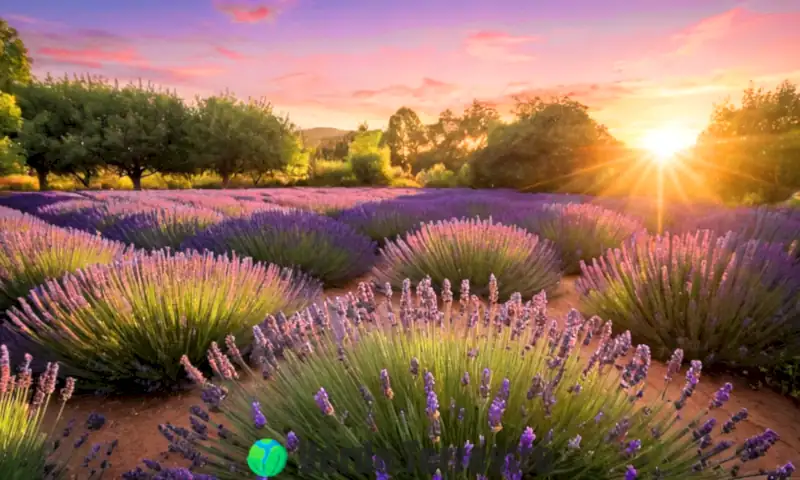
(721, 299)
(472, 249)
(332, 173)
(372, 168)
(511, 396)
(125, 326)
(438, 176)
(30, 257)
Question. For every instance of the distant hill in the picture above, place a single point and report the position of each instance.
(315, 136)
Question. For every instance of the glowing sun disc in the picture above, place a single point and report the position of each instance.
(665, 143)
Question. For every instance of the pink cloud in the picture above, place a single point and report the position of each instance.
(90, 57)
(231, 54)
(428, 88)
(241, 13)
(498, 46)
(708, 30)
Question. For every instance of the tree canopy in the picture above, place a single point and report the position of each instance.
(543, 148)
(754, 148)
(15, 64)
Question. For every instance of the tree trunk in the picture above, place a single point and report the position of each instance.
(136, 178)
(42, 176)
(226, 179)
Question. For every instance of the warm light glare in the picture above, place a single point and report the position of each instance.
(665, 143)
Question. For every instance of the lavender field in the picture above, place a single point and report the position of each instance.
(159, 334)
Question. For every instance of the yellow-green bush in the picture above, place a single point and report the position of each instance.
(438, 176)
(19, 183)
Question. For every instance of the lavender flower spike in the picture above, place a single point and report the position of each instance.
(259, 420)
(324, 404)
(496, 411)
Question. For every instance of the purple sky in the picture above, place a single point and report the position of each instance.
(640, 65)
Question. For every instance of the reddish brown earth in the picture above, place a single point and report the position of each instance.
(134, 421)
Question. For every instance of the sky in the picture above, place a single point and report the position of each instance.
(640, 65)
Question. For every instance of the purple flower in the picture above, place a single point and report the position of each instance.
(730, 424)
(467, 453)
(633, 447)
(429, 381)
(95, 421)
(721, 396)
(437, 475)
(386, 384)
(504, 390)
(259, 420)
(674, 364)
(511, 468)
(526, 441)
(324, 404)
(496, 411)
(575, 443)
(432, 408)
(292, 442)
(757, 446)
(630, 473)
(705, 429)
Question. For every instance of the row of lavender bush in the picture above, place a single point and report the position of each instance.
(446, 247)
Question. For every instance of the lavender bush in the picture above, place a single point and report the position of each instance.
(766, 224)
(472, 249)
(389, 219)
(93, 215)
(14, 220)
(580, 232)
(719, 298)
(126, 325)
(160, 228)
(320, 246)
(30, 257)
(27, 449)
(29, 202)
(499, 391)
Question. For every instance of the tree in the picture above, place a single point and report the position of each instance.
(754, 148)
(10, 123)
(232, 137)
(84, 148)
(478, 119)
(15, 64)
(405, 136)
(283, 152)
(145, 132)
(543, 148)
(48, 116)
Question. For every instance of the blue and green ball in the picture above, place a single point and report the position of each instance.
(267, 458)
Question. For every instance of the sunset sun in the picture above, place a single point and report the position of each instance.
(665, 143)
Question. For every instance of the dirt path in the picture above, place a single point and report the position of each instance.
(134, 421)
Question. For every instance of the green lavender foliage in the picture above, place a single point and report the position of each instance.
(126, 325)
(30, 256)
(472, 249)
(354, 378)
(724, 299)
